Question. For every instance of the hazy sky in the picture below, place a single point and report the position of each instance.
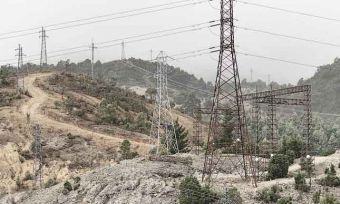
(21, 14)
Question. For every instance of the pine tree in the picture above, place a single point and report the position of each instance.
(125, 151)
(181, 136)
(227, 132)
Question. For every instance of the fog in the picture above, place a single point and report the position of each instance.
(22, 14)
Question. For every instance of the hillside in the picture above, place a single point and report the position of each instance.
(129, 73)
(326, 88)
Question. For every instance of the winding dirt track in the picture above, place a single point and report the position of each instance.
(40, 97)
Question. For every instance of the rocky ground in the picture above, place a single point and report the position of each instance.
(132, 181)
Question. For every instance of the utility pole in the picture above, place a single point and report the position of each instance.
(162, 128)
(20, 66)
(38, 160)
(43, 54)
(123, 56)
(228, 96)
(92, 59)
(251, 75)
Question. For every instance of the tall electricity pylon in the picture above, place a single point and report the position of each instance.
(20, 67)
(92, 58)
(43, 54)
(228, 97)
(38, 160)
(162, 129)
(123, 56)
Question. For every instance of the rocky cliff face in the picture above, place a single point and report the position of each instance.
(133, 181)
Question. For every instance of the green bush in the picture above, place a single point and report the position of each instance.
(330, 180)
(291, 156)
(191, 192)
(269, 195)
(332, 170)
(300, 183)
(285, 200)
(327, 151)
(278, 167)
(67, 188)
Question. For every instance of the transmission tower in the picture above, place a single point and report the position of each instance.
(20, 73)
(123, 56)
(272, 123)
(92, 58)
(162, 129)
(43, 54)
(228, 96)
(38, 161)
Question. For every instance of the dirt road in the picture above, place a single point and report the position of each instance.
(39, 97)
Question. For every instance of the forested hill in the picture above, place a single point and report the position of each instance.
(326, 88)
(137, 72)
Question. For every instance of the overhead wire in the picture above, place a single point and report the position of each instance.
(287, 36)
(101, 20)
(288, 11)
(193, 27)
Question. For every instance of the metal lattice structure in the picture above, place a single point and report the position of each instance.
(228, 97)
(274, 97)
(92, 59)
(38, 160)
(20, 74)
(43, 53)
(197, 126)
(162, 128)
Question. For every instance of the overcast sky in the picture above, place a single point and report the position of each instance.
(22, 14)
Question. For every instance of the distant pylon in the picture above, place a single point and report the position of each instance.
(20, 67)
(123, 56)
(43, 54)
(162, 129)
(38, 160)
(92, 59)
(228, 97)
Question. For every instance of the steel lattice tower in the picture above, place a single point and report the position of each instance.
(20, 68)
(228, 96)
(92, 58)
(43, 54)
(272, 123)
(162, 129)
(38, 160)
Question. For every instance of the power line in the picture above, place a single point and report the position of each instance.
(277, 59)
(288, 11)
(288, 36)
(193, 27)
(103, 20)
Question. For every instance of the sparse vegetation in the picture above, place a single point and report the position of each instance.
(285, 200)
(330, 179)
(51, 182)
(269, 195)
(329, 199)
